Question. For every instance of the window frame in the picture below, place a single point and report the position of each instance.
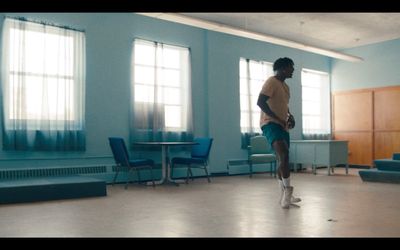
(183, 71)
(68, 78)
(325, 128)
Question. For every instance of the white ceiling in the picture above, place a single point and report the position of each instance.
(332, 31)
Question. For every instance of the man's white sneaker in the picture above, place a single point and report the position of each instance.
(287, 197)
(292, 200)
(295, 199)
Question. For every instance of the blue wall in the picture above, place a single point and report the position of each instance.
(215, 84)
(380, 67)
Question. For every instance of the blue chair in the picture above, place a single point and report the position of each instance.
(198, 159)
(122, 160)
(259, 152)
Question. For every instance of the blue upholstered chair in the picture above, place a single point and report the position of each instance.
(259, 152)
(122, 160)
(198, 159)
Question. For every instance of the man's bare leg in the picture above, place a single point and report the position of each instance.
(282, 153)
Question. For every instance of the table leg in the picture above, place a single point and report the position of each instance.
(165, 163)
(168, 167)
(163, 168)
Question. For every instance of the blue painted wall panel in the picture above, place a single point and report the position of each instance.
(380, 67)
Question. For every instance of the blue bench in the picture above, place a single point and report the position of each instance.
(50, 188)
(387, 170)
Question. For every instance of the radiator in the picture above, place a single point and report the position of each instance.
(12, 174)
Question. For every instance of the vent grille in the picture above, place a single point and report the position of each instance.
(46, 172)
(122, 168)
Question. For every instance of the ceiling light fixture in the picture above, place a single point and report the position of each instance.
(249, 34)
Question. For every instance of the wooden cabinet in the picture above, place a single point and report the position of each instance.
(368, 119)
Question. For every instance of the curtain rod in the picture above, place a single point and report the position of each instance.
(25, 19)
(162, 43)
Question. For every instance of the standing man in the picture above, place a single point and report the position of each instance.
(276, 120)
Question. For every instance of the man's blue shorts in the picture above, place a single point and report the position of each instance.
(273, 131)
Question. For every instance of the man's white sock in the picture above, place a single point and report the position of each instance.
(281, 184)
(286, 182)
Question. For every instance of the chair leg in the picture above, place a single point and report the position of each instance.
(138, 174)
(251, 169)
(270, 167)
(172, 170)
(128, 178)
(152, 177)
(187, 174)
(191, 173)
(115, 177)
(208, 177)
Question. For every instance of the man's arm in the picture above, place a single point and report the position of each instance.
(262, 103)
(291, 122)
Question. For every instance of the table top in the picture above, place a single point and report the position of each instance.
(167, 143)
(322, 141)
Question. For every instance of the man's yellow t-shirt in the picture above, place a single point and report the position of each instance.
(278, 101)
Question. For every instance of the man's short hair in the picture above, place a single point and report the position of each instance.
(282, 63)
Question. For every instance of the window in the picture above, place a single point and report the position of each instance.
(252, 77)
(161, 87)
(315, 104)
(43, 77)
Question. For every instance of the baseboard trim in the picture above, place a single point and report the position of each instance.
(360, 166)
(220, 174)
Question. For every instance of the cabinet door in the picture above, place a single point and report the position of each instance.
(353, 122)
(338, 152)
(305, 153)
(352, 111)
(386, 109)
(322, 153)
(386, 143)
(360, 146)
(386, 122)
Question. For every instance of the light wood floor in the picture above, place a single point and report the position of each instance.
(236, 206)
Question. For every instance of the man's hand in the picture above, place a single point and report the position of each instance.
(290, 121)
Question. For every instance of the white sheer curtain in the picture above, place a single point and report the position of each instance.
(162, 105)
(43, 86)
(252, 77)
(316, 105)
